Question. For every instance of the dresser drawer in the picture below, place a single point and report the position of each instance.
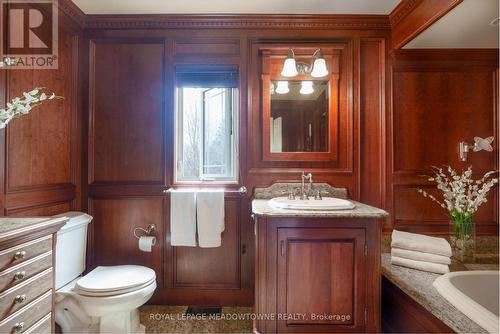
(19, 296)
(23, 271)
(27, 316)
(20, 253)
(43, 326)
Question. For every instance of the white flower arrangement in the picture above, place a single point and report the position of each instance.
(23, 105)
(462, 196)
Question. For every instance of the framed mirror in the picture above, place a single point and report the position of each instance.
(300, 108)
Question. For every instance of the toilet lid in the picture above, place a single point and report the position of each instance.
(115, 279)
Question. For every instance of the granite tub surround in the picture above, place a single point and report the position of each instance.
(418, 285)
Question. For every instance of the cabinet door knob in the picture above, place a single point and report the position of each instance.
(19, 299)
(18, 327)
(19, 275)
(19, 255)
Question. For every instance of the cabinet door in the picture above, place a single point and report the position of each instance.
(321, 275)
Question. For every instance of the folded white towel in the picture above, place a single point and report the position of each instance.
(183, 218)
(420, 256)
(210, 215)
(421, 243)
(420, 265)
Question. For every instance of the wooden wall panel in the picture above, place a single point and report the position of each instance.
(126, 111)
(212, 268)
(372, 118)
(439, 98)
(434, 111)
(113, 240)
(42, 151)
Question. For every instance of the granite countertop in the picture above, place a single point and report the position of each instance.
(13, 227)
(262, 208)
(418, 285)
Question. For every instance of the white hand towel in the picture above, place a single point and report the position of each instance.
(183, 218)
(420, 256)
(421, 243)
(210, 212)
(420, 265)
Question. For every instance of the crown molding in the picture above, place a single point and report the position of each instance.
(238, 21)
(72, 11)
(402, 10)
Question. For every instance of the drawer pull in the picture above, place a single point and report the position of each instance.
(18, 327)
(19, 275)
(19, 255)
(19, 299)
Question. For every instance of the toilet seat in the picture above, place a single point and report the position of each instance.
(114, 280)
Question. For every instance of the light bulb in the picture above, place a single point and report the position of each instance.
(306, 87)
(319, 68)
(282, 87)
(289, 67)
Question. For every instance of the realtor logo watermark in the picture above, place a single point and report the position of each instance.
(29, 33)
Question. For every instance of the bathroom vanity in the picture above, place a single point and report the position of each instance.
(317, 271)
(27, 274)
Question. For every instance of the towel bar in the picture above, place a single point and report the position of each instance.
(241, 190)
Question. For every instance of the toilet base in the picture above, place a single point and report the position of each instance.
(72, 319)
(122, 322)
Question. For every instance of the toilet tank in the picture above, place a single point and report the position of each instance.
(71, 247)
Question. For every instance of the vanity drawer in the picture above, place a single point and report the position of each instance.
(25, 270)
(19, 296)
(20, 253)
(42, 326)
(27, 316)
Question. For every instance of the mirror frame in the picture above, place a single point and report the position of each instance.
(272, 63)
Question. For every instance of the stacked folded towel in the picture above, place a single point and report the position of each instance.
(420, 252)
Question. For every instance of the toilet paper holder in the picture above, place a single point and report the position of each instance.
(149, 230)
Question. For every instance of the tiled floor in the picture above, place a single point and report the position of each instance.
(172, 319)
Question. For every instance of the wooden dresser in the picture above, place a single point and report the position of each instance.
(27, 258)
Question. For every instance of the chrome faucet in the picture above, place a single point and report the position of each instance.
(303, 194)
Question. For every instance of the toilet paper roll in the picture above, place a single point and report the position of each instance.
(146, 243)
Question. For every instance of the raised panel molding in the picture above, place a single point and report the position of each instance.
(126, 140)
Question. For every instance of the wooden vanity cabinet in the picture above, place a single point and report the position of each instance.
(317, 275)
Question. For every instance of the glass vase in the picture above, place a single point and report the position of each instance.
(463, 238)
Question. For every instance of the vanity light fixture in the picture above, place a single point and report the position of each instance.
(306, 88)
(317, 68)
(282, 87)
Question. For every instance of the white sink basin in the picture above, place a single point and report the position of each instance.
(326, 204)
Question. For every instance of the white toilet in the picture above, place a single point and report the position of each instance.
(105, 300)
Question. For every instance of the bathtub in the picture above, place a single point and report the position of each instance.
(474, 293)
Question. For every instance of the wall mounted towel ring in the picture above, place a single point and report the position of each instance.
(149, 230)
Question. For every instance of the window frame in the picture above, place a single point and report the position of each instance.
(234, 140)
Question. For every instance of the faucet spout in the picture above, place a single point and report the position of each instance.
(303, 194)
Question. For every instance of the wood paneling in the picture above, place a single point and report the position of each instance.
(439, 98)
(41, 152)
(113, 240)
(372, 118)
(211, 268)
(401, 314)
(411, 17)
(126, 112)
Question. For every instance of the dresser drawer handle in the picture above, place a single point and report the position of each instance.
(18, 327)
(19, 255)
(19, 299)
(19, 275)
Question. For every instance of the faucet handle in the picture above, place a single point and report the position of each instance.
(291, 194)
(318, 195)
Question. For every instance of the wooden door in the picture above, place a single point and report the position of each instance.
(321, 275)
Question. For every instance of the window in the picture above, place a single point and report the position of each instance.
(206, 123)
